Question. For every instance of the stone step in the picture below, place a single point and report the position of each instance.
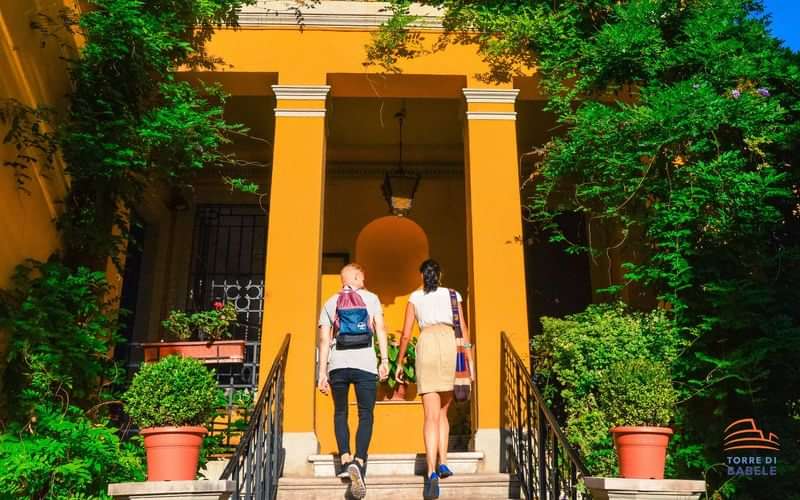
(459, 486)
(390, 464)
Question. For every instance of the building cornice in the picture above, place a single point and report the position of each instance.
(496, 96)
(332, 14)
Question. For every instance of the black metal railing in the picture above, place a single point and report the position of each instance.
(547, 466)
(258, 461)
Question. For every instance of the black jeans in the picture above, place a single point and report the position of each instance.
(366, 385)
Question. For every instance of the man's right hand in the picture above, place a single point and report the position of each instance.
(323, 385)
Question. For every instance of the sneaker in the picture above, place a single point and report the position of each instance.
(357, 485)
(431, 489)
(444, 471)
(343, 474)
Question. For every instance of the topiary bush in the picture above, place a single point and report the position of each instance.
(638, 392)
(175, 391)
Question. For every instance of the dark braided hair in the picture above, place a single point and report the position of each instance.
(431, 275)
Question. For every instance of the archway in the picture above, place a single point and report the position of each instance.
(391, 249)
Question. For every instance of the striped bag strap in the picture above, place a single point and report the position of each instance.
(456, 316)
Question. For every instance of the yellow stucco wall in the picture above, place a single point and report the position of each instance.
(304, 57)
(484, 259)
(35, 76)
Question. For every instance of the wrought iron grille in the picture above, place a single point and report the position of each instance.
(228, 259)
(547, 466)
(258, 461)
(227, 262)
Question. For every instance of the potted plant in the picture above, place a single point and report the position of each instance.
(398, 391)
(170, 401)
(638, 397)
(208, 327)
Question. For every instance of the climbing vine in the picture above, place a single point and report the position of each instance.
(680, 137)
(130, 125)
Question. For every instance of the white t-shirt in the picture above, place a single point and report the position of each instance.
(434, 307)
(361, 359)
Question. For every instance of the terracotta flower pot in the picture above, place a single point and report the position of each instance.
(172, 452)
(641, 451)
(399, 393)
(220, 351)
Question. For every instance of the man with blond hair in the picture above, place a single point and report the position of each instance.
(347, 323)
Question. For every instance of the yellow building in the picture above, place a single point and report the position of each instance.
(323, 135)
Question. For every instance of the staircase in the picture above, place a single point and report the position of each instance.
(462, 486)
(400, 476)
(540, 461)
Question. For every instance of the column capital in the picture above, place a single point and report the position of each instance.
(490, 104)
(497, 96)
(301, 92)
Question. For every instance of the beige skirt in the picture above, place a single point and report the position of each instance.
(436, 359)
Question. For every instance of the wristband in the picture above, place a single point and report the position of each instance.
(384, 359)
(467, 346)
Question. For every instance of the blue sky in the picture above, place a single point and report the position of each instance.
(785, 21)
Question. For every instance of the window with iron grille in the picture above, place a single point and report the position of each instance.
(228, 259)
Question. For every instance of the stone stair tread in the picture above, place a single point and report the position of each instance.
(477, 486)
(461, 479)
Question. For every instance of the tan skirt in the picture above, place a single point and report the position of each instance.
(436, 359)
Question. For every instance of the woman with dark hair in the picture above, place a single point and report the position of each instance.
(432, 308)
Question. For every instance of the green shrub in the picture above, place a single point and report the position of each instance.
(212, 324)
(574, 357)
(393, 350)
(637, 392)
(175, 391)
(59, 451)
(59, 317)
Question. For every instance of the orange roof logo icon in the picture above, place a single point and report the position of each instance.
(744, 434)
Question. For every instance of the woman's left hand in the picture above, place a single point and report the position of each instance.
(399, 374)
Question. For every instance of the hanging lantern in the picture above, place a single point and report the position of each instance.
(399, 186)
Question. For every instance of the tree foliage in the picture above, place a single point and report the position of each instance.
(681, 133)
(130, 124)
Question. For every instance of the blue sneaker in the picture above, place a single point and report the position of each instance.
(431, 489)
(444, 471)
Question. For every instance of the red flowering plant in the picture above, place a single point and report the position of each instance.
(212, 324)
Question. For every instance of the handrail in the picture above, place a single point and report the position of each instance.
(257, 462)
(547, 465)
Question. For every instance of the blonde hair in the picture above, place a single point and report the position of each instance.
(353, 266)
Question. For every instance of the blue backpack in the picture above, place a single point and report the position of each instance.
(351, 324)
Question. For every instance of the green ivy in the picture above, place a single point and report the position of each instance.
(680, 132)
(130, 124)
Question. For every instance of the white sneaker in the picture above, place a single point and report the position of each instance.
(357, 485)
